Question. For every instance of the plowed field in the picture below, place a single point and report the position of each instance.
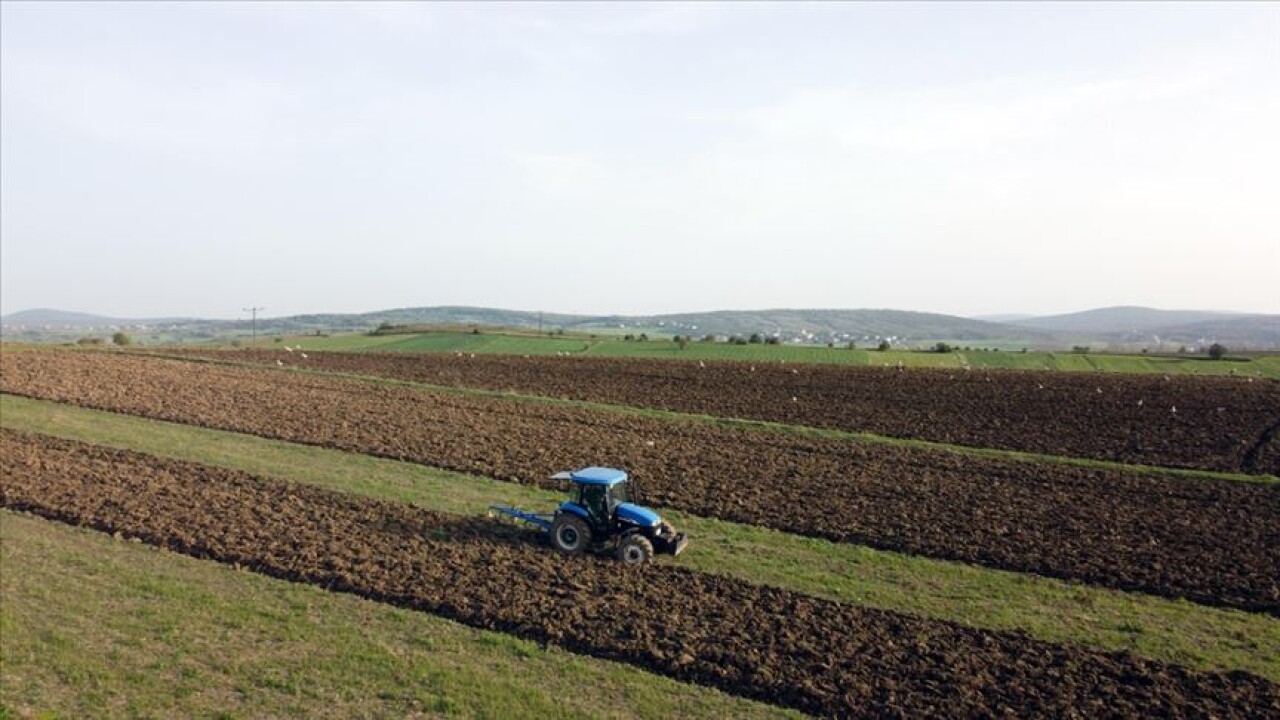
(789, 649)
(1212, 542)
(1191, 422)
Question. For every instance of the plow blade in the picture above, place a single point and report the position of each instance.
(678, 545)
(669, 542)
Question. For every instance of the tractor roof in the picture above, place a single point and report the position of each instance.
(598, 476)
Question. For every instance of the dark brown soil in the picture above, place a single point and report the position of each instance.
(1213, 542)
(782, 647)
(1179, 421)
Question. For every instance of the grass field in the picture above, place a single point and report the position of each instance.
(1175, 631)
(601, 346)
(98, 627)
(1256, 365)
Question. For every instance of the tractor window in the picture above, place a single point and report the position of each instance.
(594, 500)
(617, 495)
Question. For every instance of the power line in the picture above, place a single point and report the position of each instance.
(255, 311)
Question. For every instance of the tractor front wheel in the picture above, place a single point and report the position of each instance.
(635, 549)
(570, 534)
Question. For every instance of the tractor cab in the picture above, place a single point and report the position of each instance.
(602, 494)
(599, 510)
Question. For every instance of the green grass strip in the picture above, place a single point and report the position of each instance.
(761, 425)
(97, 627)
(1054, 610)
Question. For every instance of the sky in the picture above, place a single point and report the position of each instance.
(191, 159)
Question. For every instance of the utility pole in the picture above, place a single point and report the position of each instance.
(255, 311)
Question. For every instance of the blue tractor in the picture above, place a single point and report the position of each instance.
(598, 514)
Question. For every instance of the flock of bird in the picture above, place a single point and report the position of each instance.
(280, 363)
(795, 399)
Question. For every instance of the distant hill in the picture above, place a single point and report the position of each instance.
(1120, 319)
(873, 323)
(1109, 327)
(860, 323)
(1148, 327)
(792, 324)
(826, 324)
(1241, 331)
(1002, 317)
(46, 316)
(63, 318)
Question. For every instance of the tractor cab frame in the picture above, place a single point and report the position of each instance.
(598, 491)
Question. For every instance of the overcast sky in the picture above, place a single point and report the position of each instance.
(187, 159)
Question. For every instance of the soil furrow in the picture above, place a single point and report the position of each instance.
(789, 649)
(1264, 452)
(1212, 542)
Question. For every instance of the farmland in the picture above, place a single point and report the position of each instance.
(1108, 529)
(577, 344)
(1052, 610)
(1217, 424)
(1020, 516)
(772, 645)
(96, 626)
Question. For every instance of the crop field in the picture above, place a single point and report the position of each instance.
(927, 465)
(1007, 357)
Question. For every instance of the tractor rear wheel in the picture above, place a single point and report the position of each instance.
(635, 549)
(570, 533)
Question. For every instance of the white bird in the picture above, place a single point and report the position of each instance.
(304, 355)
(795, 399)
(753, 368)
(1139, 403)
(1173, 409)
(701, 364)
(1099, 391)
(279, 363)
(288, 349)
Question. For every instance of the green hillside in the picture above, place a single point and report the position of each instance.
(1110, 328)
